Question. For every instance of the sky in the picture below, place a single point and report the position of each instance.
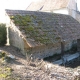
(15, 4)
(21, 4)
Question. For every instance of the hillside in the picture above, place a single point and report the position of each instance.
(20, 68)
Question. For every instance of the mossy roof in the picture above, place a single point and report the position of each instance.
(44, 28)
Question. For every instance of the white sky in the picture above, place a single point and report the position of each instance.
(21, 4)
(15, 4)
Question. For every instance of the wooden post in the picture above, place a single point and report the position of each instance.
(62, 47)
(78, 45)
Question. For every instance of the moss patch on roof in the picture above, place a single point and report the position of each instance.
(21, 20)
(32, 26)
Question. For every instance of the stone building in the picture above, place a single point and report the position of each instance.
(42, 34)
(74, 10)
(55, 6)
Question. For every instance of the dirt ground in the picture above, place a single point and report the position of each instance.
(27, 69)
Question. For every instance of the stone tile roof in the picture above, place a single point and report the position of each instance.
(48, 27)
(48, 5)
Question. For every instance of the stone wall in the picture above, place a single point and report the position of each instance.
(18, 40)
(49, 50)
(45, 50)
(75, 14)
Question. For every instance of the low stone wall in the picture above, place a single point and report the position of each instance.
(49, 50)
(16, 38)
(45, 50)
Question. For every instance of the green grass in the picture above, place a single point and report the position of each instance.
(6, 72)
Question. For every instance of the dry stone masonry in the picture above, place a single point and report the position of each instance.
(41, 34)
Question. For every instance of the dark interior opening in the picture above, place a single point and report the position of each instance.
(73, 63)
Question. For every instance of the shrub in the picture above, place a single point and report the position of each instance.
(3, 34)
